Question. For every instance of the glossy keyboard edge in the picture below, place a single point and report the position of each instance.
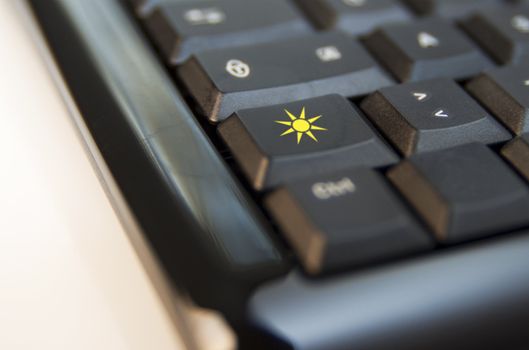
(455, 299)
(193, 191)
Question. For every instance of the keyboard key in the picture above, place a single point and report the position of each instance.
(425, 49)
(354, 16)
(505, 92)
(502, 32)
(184, 28)
(279, 143)
(449, 8)
(517, 152)
(224, 81)
(463, 193)
(346, 219)
(431, 115)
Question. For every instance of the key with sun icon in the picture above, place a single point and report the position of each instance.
(301, 126)
(282, 142)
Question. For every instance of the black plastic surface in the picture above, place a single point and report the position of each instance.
(201, 224)
(472, 298)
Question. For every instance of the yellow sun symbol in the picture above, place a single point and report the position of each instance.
(301, 125)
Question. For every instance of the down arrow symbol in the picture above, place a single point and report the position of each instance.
(441, 114)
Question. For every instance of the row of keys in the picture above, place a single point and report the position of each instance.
(353, 16)
(324, 11)
(362, 16)
(223, 81)
(353, 217)
(279, 143)
(183, 28)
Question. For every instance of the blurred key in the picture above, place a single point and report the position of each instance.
(224, 81)
(449, 8)
(505, 92)
(502, 32)
(517, 152)
(354, 16)
(463, 193)
(425, 49)
(431, 115)
(181, 29)
(283, 142)
(345, 219)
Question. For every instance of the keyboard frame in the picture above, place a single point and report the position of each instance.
(183, 313)
(177, 201)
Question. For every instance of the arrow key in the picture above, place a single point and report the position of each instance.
(426, 49)
(431, 115)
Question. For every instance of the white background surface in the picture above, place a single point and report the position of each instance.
(69, 278)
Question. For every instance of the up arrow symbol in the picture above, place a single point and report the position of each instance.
(441, 114)
(427, 40)
(420, 95)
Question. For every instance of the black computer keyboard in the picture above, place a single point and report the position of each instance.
(329, 174)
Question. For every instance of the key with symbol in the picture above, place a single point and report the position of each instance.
(354, 16)
(431, 115)
(181, 29)
(449, 8)
(224, 81)
(425, 49)
(505, 92)
(345, 219)
(463, 193)
(283, 142)
(503, 32)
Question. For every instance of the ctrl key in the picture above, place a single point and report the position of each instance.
(348, 219)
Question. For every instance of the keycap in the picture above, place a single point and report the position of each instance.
(181, 29)
(431, 115)
(224, 81)
(449, 8)
(283, 142)
(353, 16)
(425, 49)
(505, 92)
(463, 193)
(517, 152)
(502, 32)
(345, 219)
